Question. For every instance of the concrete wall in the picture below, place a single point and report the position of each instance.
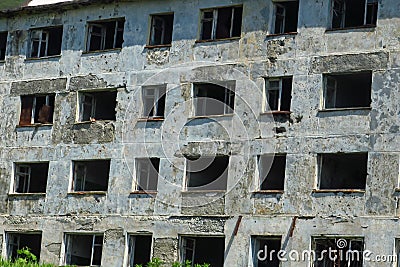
(306, 55)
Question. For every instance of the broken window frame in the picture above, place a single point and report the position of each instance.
(214, 23)
(261, 167)
(229, 100)
(16, 241)
(154, 29)
(330, 89)
(41, 37)
(184, 248)
(34, 110)
(157, 100)
(118, 29)
(79, 176)
(131, 247)
(3, 50)
(144, 166)
(318, 262)
(84, 105)
(341, 14)
(279, 17)
(255, 241)
(266, 94)
(68, 246)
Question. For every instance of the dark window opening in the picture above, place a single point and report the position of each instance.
(354, 13)
(83, 250)
(3, 45)
(272, 171)
(139, 249)
(31, 177)
(161, 29)
(37, 109)
(286, 16)
(342, 171)
(279, 94)
(338, 252)
(348, 90)
(91, 175)
(199, 250)
(154, 101)
(105, 35)
(147, 173)
(16, 241)
(262, 248)
(221, 23)
(207, 173)
(212, 99)
(98, 105)
(46, 42)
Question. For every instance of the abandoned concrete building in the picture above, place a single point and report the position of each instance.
(201, 130)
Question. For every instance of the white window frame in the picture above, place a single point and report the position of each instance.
(103, 33)
(256, 246)
(26, 177)
(327, 89)
(132, 245)
(159, 91)
(227, 101)
(40, 41)
(13, 240)
(282, 26)
(83, 179)
(214, 20)
(143, 165)
(343, 17)
(68, 245)
(83, 105)
(267, 88)
(184, 248)
(33, 111)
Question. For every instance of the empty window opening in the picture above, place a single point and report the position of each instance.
(139, 249)
(199, 250)
(83, 250)
(154, 101)
(3, 45)
(262, 251)
(221, 23)
(31, 177)
(328, 253)
(97, 105)
(147, 174)
(212, 99)
(354, 13)
(286, 16)
(161, 29)
(342, 171)
(207, 173)
(91, 175)
(16, 241)
(348, 90)
(37, 109)
(104, 35)
(272, 171)
(46, 42)
(278, 94)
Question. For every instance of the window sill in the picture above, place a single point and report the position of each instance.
(267, 192)
(35, 125)
(343, 109)
(101, 51)
(42, 58)
(346, 191)
(366, 27)
(39, 195)
(151, 119)
(276, 112)
(211, 116)
(149, 192)
(90, 122)
(2, 61)
(282, 34)
(88, 193)
(158, 46)
(217, 40)
(188, 192)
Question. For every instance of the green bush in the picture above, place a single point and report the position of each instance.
(155, 262)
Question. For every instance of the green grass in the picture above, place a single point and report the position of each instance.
(10, 4)
(4, 263)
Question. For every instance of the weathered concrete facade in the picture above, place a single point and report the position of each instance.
(372, 213)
